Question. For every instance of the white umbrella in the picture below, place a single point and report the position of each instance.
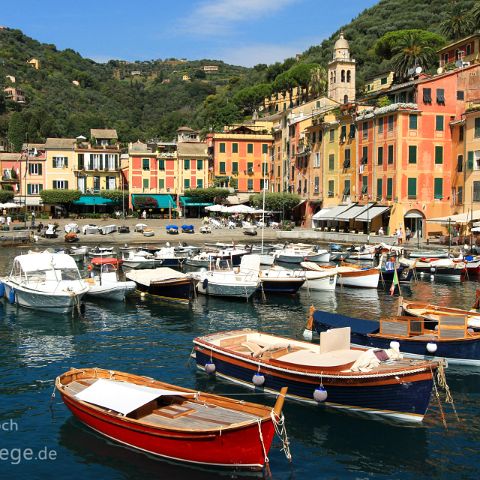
(216, 208)
(240, 209)
(10, 205)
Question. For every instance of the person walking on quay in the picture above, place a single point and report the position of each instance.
(144, 214)
(408, 234)
(33, 220)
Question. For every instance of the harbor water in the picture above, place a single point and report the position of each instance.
(149, 337)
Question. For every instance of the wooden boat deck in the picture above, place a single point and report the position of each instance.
(178, 413)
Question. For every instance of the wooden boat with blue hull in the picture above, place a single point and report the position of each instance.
(332, 373)
(280, 280)
(417, 338)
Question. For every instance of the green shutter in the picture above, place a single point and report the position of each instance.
(413, 121)
(250, 167)
(438, 188)
(199, 164)
(249, 147)
(412, 154)
(161, 164)
(234, 147)
(380, 155)
(390, 154)
(161, 184)
(29, 189)
(222, 148)
(186, 183)
(250, 184)
(66, 184)
(39, 168)
(439, 123)
(186, 164)
(379, 188)
(476, 133)
(470, 160)
(438, 155)
(199, 183)
(412, 188)
(389, 187)
(264, 148)
(222, 167)
(234, 167)
(66, 162)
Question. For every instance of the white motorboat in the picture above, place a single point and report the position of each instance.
(299, 254)
(82, 250)
(217, 258)
(99, 252)
(349, 275)
(71, 228)
(241, 282)
(90, 229)
(139, 259)
(45, 281)
(319, 281)
(106, 229)
(107, 286)
(267, 259)
(282, 280)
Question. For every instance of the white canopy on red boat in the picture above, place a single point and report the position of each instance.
(123, 397)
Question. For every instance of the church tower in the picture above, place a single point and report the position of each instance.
(341, 73)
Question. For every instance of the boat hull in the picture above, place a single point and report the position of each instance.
(111, 292)
(289, 286)
(180, 290)
(214, 289)
(43, 301)
(320, 283)
(234, 448)
(404, 398)
(359, 279)
(459, 352)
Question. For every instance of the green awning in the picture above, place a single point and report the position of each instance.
(153, 201)
(190, 202)
(92, 200)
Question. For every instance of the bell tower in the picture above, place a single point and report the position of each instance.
(341, 73)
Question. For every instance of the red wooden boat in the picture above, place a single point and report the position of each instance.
(97, 262)
(169, 421)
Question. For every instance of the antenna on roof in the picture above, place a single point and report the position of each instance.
(418, 70)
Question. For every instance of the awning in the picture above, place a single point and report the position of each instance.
(335, 211)
(301, 203)
(370, 214)
(353, 212)
(459, 218)
(122, 397)
(92, 200)
(190, 202)
(413, 214)
(321, 214)
(153, 201)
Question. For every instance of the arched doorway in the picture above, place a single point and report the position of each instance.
(415, 221)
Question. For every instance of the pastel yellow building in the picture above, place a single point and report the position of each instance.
(60, 164)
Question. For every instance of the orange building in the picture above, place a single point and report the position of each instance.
(241, 158)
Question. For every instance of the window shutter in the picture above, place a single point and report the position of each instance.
(470, 160)
(40, 169)
(65, 161)
(29, 189)
(438, 188)
(66, 184)
(438, 154)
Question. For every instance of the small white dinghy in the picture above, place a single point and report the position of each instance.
(107, 286)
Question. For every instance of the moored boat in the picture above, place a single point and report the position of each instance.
(332, 373)
(163, 282)
(449, 339)
(282, 280)
(106, 285)
(45, 281)
(170, 421)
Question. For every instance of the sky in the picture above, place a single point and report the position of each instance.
(240, 32)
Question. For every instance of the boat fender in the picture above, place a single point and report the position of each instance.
(210, 367)
(308, 334)
(432, 269)
(258, 379)
(90, 267)
(205, 283)
(394, 345)
(2, 289)
(320, 394)
(431, 347)
(471, 331)
(11, 296)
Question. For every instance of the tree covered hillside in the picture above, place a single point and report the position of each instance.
(69, 94)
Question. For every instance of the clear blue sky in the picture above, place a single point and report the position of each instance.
(242, 32)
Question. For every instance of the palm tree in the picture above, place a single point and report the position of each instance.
(412, 51)
(459, 22)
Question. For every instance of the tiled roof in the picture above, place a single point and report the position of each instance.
(106, 133)
(61, 143)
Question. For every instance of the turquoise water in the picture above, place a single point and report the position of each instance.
(153, 338)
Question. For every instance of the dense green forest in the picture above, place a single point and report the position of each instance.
(69, 94)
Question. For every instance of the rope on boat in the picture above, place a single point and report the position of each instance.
(439, 401)
(281, 431)
(442, 383)
(265, 456)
